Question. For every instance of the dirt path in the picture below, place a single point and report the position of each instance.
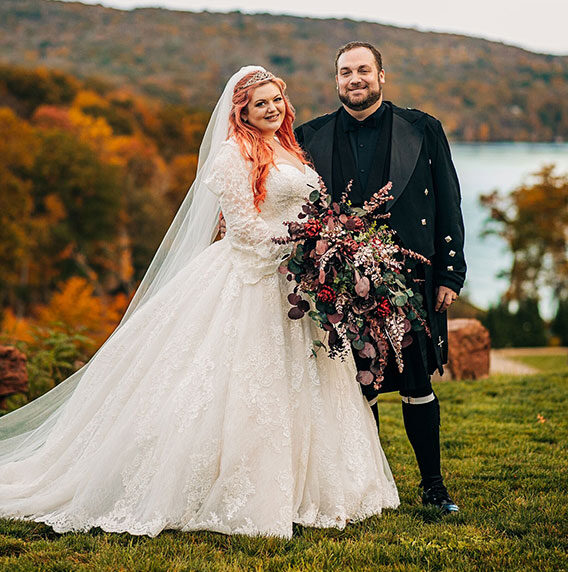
(553, 351)
(501, 364)
(501, 361)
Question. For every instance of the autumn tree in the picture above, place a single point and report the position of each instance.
(533, 221)
(18, 148)
(68, 173)
(90, 178)
(29, 89)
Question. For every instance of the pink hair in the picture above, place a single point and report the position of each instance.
(252, 144)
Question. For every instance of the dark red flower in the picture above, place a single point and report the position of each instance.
(327, 216)
(327, 295)
(384, 308)
(349, 246)
(313, 227)
(354, 223)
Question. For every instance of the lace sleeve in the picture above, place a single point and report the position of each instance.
(246, 229)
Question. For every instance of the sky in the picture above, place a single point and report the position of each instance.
(536, 26)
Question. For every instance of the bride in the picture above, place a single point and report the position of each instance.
(206, 410)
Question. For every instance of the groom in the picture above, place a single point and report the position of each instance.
(371, 141)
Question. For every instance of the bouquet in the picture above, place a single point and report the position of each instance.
(348, 262)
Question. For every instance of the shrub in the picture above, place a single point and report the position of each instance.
(52, 356)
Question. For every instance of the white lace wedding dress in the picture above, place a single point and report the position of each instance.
(207, 410)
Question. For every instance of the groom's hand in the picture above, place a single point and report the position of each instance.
(445, 297)
(221, 229)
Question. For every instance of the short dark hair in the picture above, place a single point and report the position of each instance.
(353, 45)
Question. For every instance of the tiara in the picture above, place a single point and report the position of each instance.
(258, 76)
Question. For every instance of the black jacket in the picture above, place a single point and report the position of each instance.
(426, 208)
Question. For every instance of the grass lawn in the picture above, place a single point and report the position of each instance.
(504, 444)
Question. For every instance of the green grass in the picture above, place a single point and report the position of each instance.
(545, 363)
(507, 470)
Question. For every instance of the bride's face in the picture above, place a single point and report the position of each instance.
(266, 109)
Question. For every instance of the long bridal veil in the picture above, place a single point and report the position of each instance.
(193, 229)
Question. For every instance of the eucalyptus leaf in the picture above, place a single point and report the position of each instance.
(295, 313)
(400, 299)
(294, 267)
(368, 351)
(294, 298)
(335, 318)
(365, 377)
(358, 344)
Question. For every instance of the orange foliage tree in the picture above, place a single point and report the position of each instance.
(18, 148)
(90, 177)
(533, 220)
(74, 308)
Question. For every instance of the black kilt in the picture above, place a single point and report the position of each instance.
(419, 357)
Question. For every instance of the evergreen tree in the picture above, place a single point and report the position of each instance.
(499, 322)
(523, 328)
(529, 329)
(559, 325)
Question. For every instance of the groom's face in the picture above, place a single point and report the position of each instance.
(359, 82)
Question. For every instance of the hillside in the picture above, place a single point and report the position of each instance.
(481, 90)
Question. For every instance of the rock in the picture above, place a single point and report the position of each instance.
(469, 347)
(13, 372)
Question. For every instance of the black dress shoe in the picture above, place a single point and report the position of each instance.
(437, 496)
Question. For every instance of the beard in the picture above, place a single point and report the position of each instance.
(371, 99)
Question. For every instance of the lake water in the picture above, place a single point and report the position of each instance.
(481, 168)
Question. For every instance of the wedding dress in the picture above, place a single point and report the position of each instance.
(218, 417)
(205, 409)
